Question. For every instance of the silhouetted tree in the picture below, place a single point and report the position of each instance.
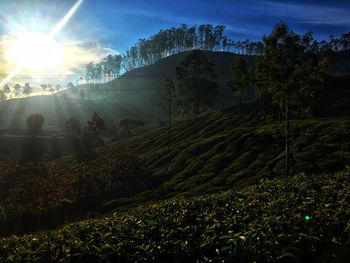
(196, 86)
(17, 89)
(43, 87)
(86, 138)
(167, 105)
(7, 90)
(32, 147)
(239, 81)
(96, 124)
(291, 71)
(50, 88)
(35, 123)
(27, 89)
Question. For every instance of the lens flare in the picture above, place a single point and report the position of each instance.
(41, 47)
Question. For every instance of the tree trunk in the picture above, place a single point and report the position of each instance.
(169, 124)
(287, 124)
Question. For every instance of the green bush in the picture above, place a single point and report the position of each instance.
(302, 219)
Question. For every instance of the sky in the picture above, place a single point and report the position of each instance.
(101, 27)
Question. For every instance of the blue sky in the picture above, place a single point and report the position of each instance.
(119, 24)
(124, 22)
(102, 27)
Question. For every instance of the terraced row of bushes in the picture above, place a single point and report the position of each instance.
(213, 153)
(299, 219)
(218, 152)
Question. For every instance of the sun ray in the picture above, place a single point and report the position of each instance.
(52, 35)
(65, 19)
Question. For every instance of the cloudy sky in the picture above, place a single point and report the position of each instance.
(100, 27)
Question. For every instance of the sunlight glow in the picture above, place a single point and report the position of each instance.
(37, 51)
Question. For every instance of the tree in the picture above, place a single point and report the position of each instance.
(89, 71)
(44, 87)
(96, 124)
(167, 105)
(50, 88)
(35, 123)
(290, 71)
(7, 90)
(238, 81)
(27, 89)
(196, 86)
(17, 88)
(86, 138)
(70, 85)
(32, 148)
(2, 95)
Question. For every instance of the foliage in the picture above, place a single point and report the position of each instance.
(291, 71)
(42, 195)
(128, 127)
(85, 139)
(35, 123)
(302, 219)
(239, 81)
(197, 88)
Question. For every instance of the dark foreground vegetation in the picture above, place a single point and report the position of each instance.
(302, 219)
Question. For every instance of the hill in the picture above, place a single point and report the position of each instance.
(136, 94)
(215, 152)
(145, 86)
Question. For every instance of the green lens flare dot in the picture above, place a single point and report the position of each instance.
(307, 218)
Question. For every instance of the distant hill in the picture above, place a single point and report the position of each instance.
(145, 86)
(136, 94)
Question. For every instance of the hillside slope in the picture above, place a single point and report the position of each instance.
(135, 94)
(215, 151)
(58, 108)
(145, 86)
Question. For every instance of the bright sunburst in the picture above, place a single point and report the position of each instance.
(34, 51)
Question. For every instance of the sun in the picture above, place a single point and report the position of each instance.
(34, 51)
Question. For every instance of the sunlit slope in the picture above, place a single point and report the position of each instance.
(58, 108)
(136, 94)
